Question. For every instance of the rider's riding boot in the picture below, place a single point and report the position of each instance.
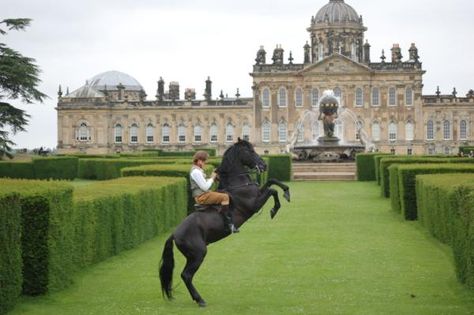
(228, 220)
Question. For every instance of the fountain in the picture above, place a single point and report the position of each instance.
(329, 147)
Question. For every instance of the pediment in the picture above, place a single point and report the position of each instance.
(335, 64)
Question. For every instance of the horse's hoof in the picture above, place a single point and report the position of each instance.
(202, 303)
(286, 194)
(273, 213)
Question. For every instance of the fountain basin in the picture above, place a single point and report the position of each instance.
(327, 152)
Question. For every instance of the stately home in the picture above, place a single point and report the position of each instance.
(381, 102)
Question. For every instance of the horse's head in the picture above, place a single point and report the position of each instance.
(242, 154)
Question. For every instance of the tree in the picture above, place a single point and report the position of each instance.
(19, 78)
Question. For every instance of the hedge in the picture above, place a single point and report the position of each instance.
(10, 251)
(46, 236)
(17, 170)
(41, 168)
(279, 166)
(406, 183)
(102, 169)
(446, 208)
(365, 163)
(116, 215)
(178, 170)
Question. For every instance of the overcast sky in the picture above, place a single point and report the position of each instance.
(188, 40)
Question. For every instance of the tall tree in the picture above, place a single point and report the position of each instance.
(19, 79)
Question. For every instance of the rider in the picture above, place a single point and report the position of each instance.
(200, 188)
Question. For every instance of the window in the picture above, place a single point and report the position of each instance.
(446, 130)
(149, 133)
(213, 133)
(197, 134)
(410, 151)
(429, 130)
(83, 132)
(392, 131)
(321, 51)
(409, 96)
(266, 131)
(376, 131)
(359, 97)
(463, 130)
(314, 97)
(375, 96)
(282, 97)
(299, 97)
(282, 134)
(315, 130)
(165, 133)
(181, 133)
(246, 132)
(134, 133)
(118, 133)
(392, 96)
(229, 133)
(266, 97)
(409, 131)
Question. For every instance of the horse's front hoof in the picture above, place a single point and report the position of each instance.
(202, 303)
(286, 194)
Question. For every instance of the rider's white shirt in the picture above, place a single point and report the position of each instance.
(198, 176)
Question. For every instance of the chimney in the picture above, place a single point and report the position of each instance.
(396, 53)
(174, 91)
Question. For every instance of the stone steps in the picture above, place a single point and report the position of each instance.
(324, 171)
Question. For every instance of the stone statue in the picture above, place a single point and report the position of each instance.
(328, 106)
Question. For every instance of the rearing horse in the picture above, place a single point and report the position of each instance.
(201, 228)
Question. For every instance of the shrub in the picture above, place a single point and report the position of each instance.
(279, 167)
(55, 168)
(10, 251)
(446, 208)
(406, 182)
(17, 170)
(102, 169)
(365, 162)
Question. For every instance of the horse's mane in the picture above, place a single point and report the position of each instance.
(231, 155)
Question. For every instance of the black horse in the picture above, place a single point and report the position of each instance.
(201, 228)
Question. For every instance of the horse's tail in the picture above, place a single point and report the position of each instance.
(166, 268)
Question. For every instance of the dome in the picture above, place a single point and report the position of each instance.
(85, 91)
(336, 11)
(111, 79)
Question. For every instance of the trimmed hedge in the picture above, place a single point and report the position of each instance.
(446, 208)
(103, 169)
(41, 168)
(365, 162)
(279, 167)
(177, 170)
(17, 170)
(46, 235)
(406, 183)
(116, 215)
(10, 251)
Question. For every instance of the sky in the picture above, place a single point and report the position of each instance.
(189, 40)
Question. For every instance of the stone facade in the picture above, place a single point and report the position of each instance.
(382, 102)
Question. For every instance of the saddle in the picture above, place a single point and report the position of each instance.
(202, 208)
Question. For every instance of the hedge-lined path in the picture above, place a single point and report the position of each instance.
(335, 249)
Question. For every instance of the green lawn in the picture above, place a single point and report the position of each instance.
(337, 248)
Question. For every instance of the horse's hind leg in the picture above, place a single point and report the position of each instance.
(194, 258)
(272, 181)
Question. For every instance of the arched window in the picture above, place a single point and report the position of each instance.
(229, 132)
(447, 130)
(197, 133)
(134, 133)
(118, 133)
(463, 130)
(392, 131)
(246, 132)
(149, 133)
(299, 97)
(282, 132)
(392, 96)
(409, 131)
(165, 133)
(181, 133)
(429, 130)
(213, 132)
(83, 133)
(375, 96)
(375, 131)
(266, 97)
(314, 97)
(266, 131)
(409, 96)
(359, 97)
(282, 97)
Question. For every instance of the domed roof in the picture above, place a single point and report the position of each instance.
(111, 79)
(336, 11)
(85, 91)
